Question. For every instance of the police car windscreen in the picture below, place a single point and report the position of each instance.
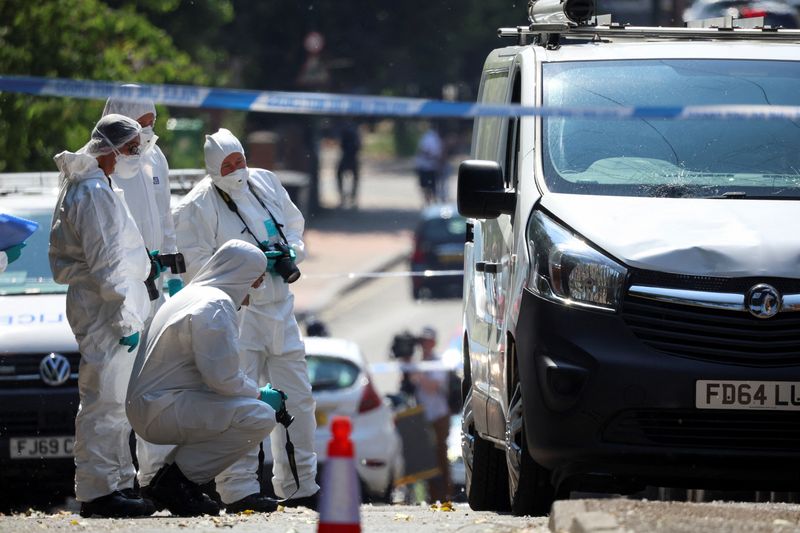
(672, 158)
(30, 274)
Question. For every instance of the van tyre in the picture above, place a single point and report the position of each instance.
(486, 473)
(530, 490)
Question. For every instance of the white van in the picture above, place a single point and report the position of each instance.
(632, 287)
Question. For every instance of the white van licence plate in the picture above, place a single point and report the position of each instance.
(41, 447)
(772, 395)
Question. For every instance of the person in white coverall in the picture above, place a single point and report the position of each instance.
(147, 193)
(96, 249)
(271, 346)
(187, 388)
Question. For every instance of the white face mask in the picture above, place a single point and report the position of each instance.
(147, 139)
(127, 166)
(235, 182)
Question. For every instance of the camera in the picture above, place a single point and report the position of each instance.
(403, 345)
(284, 265)
(159, 262)
(174, 262)
(150, 282)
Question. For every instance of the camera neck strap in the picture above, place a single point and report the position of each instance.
(233, 207)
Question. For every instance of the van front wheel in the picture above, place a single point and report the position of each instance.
(529, 487)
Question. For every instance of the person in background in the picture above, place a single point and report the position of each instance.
(430, 390)
(146, 186)
(9, 255)
(96, 249)
(237, 202)
(14, 231)
(187, 388)
(316, 328)
(350, 144)
(429, 162)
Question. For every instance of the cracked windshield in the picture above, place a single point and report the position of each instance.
(666, 158)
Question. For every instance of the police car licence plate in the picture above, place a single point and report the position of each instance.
(769, 395)
(41, 447)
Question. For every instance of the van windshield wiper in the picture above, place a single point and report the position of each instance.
(741, 195)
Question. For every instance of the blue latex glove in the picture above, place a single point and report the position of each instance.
(274, 398)
(161, 268)
(14, 252)
(174, 285)
(272, 257)
(130, 340)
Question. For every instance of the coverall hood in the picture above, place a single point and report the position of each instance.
(76, 166)
(233, 269)
(217, 147)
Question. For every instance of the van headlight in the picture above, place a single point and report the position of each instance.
(566, 270)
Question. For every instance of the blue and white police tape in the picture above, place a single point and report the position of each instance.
(338, 104)
(434, 365)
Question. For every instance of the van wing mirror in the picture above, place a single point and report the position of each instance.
(481, 191)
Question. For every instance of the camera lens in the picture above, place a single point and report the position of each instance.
(287, 270)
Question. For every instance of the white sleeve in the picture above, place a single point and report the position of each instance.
(215, 342)
(195, 221)
(293, 221)
(3, 261)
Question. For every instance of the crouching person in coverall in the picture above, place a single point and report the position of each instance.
(96, 249)
(237, 202)
(187, 388)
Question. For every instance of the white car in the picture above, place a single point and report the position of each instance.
(342, 387)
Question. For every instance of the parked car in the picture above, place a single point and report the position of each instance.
(632, 292)
(438, 245)
(341, 386)
(38, 362)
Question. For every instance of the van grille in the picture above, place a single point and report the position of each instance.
(714, 334)
(706, 429)
(22, 370)
(654, 278)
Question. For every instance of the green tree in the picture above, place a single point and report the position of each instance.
(79, 39)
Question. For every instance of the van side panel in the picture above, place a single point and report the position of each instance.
(481, 312)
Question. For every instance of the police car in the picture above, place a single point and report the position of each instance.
(38, 360)
(632, 290)
(39, 357)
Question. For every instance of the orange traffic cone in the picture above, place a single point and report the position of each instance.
(340, 497)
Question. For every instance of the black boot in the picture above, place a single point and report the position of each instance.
(147, 496)
(133, 493)
(310, 502)
(255, 502)
(116, 505)
(180, 496)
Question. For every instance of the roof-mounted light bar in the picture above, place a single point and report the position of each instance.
(572, 12)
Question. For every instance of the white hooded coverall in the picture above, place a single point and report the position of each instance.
(147, 194)
(97, 250)
(271, 346)
(187, 388)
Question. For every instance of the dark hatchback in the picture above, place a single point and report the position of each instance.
(438, 252)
